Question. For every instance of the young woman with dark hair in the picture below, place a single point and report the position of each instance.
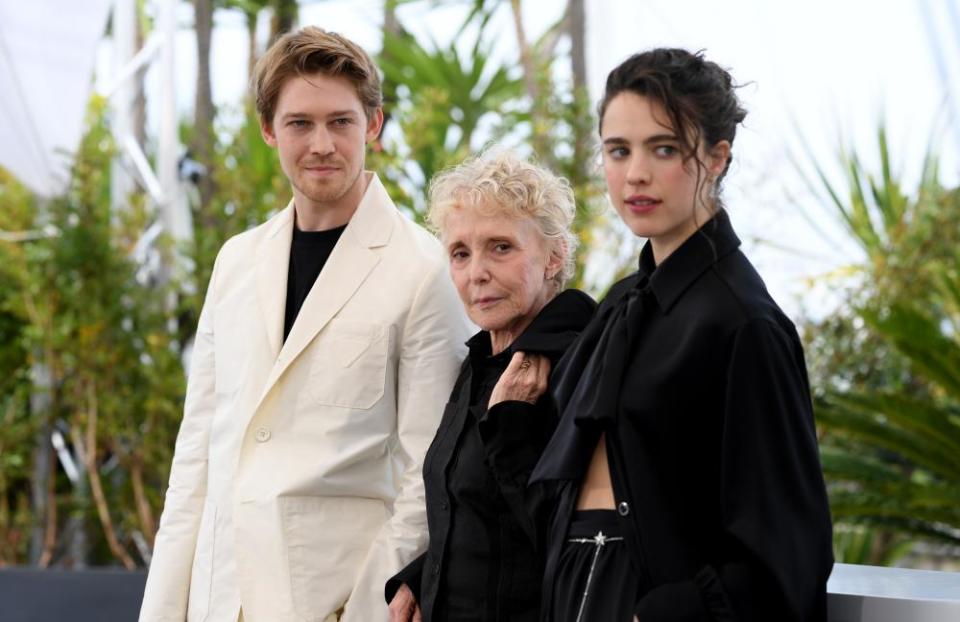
(684, 472)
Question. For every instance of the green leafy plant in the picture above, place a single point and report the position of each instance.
(886, 369)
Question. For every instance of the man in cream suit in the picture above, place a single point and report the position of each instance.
(326, 349)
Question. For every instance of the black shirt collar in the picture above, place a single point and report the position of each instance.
(315, 237)
(550, 333)
(713, 241)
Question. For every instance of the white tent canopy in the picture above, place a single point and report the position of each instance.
(47, 54)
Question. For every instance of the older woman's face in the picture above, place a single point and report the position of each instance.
(501, 267)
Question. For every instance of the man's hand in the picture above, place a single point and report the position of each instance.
(524, 379)
(404, 607)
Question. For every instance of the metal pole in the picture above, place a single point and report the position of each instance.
(175, 213)
(124, 48)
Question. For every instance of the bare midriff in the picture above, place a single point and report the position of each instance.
(596, 491)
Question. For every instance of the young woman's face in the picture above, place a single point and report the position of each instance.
(653, 189)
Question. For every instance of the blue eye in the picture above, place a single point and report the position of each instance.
(618, 152)
(502, 247)
(665, 151)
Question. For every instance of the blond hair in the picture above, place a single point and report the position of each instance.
(502, 182)
(312, 50)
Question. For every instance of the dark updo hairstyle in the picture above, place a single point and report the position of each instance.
(696, 94)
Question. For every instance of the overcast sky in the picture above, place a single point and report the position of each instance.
(816, 73)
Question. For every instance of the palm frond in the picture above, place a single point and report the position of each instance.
(919, 337)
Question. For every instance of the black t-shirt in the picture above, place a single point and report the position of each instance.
(309, 251)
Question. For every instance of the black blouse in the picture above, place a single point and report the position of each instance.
(483, 561)
(711, 442)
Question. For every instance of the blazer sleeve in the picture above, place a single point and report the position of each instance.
(168, 581)
(776, 517)
(430, 350)
(514, 434)
(411, 575)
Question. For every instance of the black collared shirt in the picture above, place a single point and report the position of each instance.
(483, 562)
(711, 441)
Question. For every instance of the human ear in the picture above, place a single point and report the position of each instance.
(374, 124)
(554, 262)
(266, 130)
(717, 159)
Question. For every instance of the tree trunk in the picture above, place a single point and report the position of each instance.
(576, 28)
(391, 26)
(147, 523)
(50, 529)
(581, 124)
(284, 17)
(391, 23)
(8, 533)
(96, 485)
(540, 123)
(202, 144)
(576, 23)
(526, 52)
(41, 407)
(251, 43)
(77, 529)
(139, 96)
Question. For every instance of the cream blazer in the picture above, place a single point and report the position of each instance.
(296, 486)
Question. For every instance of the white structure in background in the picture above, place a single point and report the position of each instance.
(872, 594)
(163, 186)
(47, 53)
(47, 56)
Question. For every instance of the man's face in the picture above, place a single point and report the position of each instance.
(320, 131)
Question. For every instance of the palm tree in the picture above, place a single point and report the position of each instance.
(439, 99)
(889, 405)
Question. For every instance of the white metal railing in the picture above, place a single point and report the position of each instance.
(873, 594)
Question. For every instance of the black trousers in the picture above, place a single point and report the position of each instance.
(595, 581)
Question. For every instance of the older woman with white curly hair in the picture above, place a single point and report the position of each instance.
(505, 224)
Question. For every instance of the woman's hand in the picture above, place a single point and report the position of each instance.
(524, 379)
(404, 607)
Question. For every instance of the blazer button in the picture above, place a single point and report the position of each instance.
(436, 569)
(444, 505)
(263, 435)
(623, 509)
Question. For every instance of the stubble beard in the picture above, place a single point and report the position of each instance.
(332, 190)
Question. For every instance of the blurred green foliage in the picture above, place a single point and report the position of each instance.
(886, 367)
(79, 304)
(73, 306)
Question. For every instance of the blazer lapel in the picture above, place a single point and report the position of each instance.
(346, 269)
(273, 264)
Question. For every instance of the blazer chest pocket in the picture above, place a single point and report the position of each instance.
(348, 365)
